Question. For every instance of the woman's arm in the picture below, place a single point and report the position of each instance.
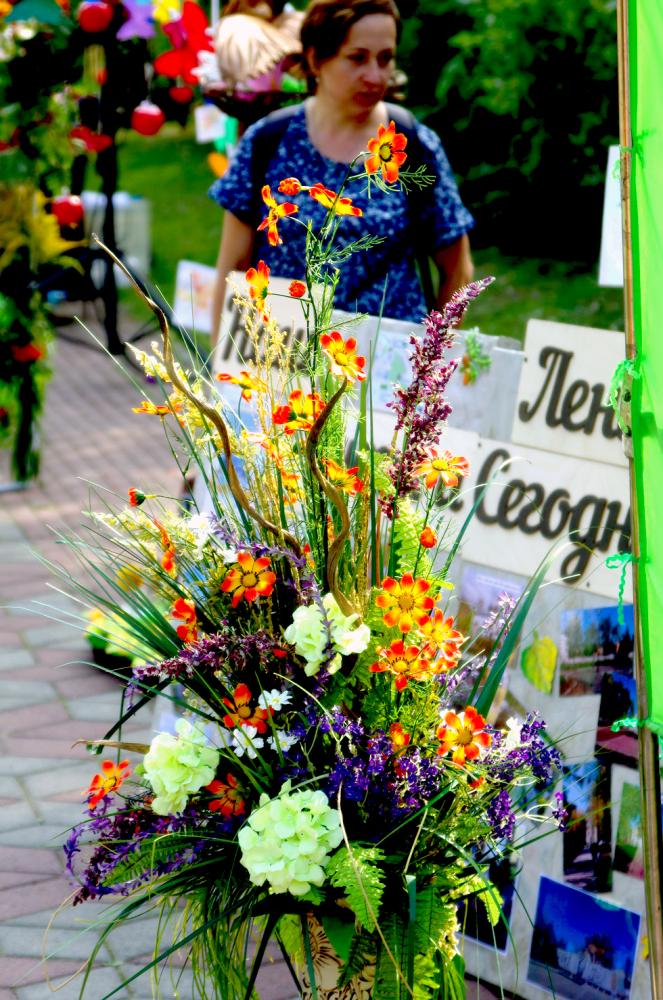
(456, 269)
(235, 251)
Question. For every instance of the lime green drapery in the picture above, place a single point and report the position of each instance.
(645, 45)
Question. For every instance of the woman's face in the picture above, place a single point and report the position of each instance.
(356, 78)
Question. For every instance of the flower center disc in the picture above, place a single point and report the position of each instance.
(249, 580)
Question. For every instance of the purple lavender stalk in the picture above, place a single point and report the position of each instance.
(422, 409)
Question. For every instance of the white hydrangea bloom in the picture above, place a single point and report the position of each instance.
(286, 841)
(309, 636)
(178, 765)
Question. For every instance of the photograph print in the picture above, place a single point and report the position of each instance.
(592, 644)
(588, 833)
(583, 948)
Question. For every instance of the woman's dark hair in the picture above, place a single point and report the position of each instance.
(327, 23)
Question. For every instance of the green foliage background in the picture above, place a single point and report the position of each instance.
(524, 96)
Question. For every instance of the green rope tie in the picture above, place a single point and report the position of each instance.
(620, 561)
(628, 722)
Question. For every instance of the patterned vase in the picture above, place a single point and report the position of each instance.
(326, 965)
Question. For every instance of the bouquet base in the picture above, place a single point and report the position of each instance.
(326, 967)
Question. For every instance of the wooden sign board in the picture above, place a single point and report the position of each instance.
(562, 397)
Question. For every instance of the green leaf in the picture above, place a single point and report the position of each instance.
(341, 934)
(357, 873)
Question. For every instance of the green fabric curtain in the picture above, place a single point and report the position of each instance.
(645, 46)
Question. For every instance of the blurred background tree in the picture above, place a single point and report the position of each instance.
(524, 96)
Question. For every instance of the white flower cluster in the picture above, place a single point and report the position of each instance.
(310, 637)
(286, 841)
(177, 766)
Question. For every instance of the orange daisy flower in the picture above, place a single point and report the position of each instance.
(186, 612)
(159, 410)
(443, 638)
(290, 483)
(406, 663)
(228, 800)
(109, 780)
(258, 280)
(276, 213)
(247, 382)
(407, 600)
(241, 713)
(442, 465)
(343, 356)
(428, 538)
(249, 578)
(300, 412)
(290, 185)
(399, 738)
(463, 735)
(297, 289)
(346, 479)
(387, 153)
(327, 198)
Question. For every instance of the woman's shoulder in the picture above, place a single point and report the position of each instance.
(274, 124)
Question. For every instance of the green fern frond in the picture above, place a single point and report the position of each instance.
(358, 874)
(362, 953)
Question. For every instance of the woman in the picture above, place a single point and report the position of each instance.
(350, 47)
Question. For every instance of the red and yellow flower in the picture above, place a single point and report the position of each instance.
(407, 601)
(443, 638)
(136, 496)
(227, 797)
(428, 538)
(406, 663)
(109, 780)
(168, 557)
(185, 611)
(327, 198)
(249, 579)
(463, 735)
(241, 713)
(290, 185)
(276, 213)
(344, 360)
(258, 281)
(297, 289)
(290, 482)
(300, 412)
(26, 353)
(442, 465)
(345, 479)
(248, 383)
(387, 152)
(157, 409)
(399, 738)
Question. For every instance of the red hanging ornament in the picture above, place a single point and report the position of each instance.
(182, 95)
(94, 16)
(147, 118)
(67, 209)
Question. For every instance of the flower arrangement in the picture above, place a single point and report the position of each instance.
(334, 773)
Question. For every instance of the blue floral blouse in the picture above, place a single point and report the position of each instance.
(363, 275)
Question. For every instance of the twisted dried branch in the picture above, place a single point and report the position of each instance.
(336, 497)
(206, 410)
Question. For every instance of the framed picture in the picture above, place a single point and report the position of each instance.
(582, 946)
(592, 644)
(588, 835)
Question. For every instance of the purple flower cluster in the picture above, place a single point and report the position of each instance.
(533, 754)
(421, 409)
(559, 813)
(389, 785)
(119, 835)
(226, 650)
(501, 816)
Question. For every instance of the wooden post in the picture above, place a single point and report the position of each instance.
(649, 767)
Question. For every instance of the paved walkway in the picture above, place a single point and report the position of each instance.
(49, 699)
